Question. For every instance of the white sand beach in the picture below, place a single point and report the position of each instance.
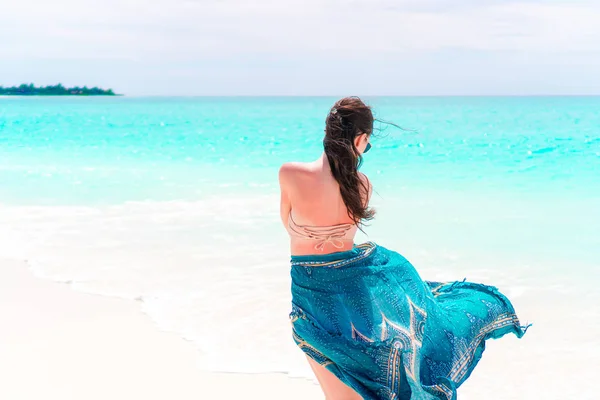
(56, 343)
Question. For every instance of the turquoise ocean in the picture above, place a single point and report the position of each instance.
(174, 202)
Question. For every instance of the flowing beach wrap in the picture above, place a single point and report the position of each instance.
(366, 315)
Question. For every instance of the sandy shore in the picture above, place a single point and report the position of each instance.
(56, 343)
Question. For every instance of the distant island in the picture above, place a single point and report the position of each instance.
(55, 90)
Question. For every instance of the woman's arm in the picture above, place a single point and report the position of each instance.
(285, 206)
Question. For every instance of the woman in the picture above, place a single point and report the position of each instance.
(370, 327)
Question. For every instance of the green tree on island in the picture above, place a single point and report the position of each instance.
(53, 90)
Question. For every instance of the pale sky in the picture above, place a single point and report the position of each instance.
(304, 47)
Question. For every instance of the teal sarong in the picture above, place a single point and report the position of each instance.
(367, 316)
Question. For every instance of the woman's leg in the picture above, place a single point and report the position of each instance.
(333, 388)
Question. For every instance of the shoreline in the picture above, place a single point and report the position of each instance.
(61, 343)
(58, 342)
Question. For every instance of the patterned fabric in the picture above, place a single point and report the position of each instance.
(366, 315)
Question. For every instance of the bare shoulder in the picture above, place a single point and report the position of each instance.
(364, 179)
(291, 167)
(367, 184)
(292, 170)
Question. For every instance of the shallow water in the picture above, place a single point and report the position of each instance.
(173, 201)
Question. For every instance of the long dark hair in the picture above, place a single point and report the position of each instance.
(348, 118)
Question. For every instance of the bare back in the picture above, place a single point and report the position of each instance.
(311, 196)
